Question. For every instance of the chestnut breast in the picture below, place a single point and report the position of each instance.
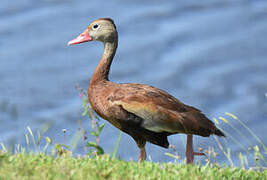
(98, 95)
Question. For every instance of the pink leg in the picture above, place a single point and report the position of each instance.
(189, 150)
(142, 155)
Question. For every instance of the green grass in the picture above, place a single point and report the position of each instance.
(30, 166)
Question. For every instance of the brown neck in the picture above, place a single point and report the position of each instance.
(102, 70)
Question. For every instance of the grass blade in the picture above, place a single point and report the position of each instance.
(116, 146)
(33, 138)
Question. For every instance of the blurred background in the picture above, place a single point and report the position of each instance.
(211, 54)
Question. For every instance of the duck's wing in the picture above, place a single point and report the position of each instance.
(160, 111)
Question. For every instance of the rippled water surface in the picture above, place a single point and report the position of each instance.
(209, 54)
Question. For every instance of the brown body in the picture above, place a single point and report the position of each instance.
(147, 113)
(144, 112)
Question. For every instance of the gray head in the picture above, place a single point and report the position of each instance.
(102, 29)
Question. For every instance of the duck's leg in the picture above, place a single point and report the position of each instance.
(142, 147)
(189, 150)
(142, 154)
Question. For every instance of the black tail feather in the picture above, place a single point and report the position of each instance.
(219, 133)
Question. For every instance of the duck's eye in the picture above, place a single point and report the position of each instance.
(96, 26)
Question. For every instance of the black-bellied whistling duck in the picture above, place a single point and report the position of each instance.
(142, 111)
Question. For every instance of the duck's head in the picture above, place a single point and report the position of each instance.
(102, 29)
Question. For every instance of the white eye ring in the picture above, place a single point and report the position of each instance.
(95, 27)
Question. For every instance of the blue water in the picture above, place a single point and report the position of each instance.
(209, 54)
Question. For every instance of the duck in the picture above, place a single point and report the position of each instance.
(144, 112)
